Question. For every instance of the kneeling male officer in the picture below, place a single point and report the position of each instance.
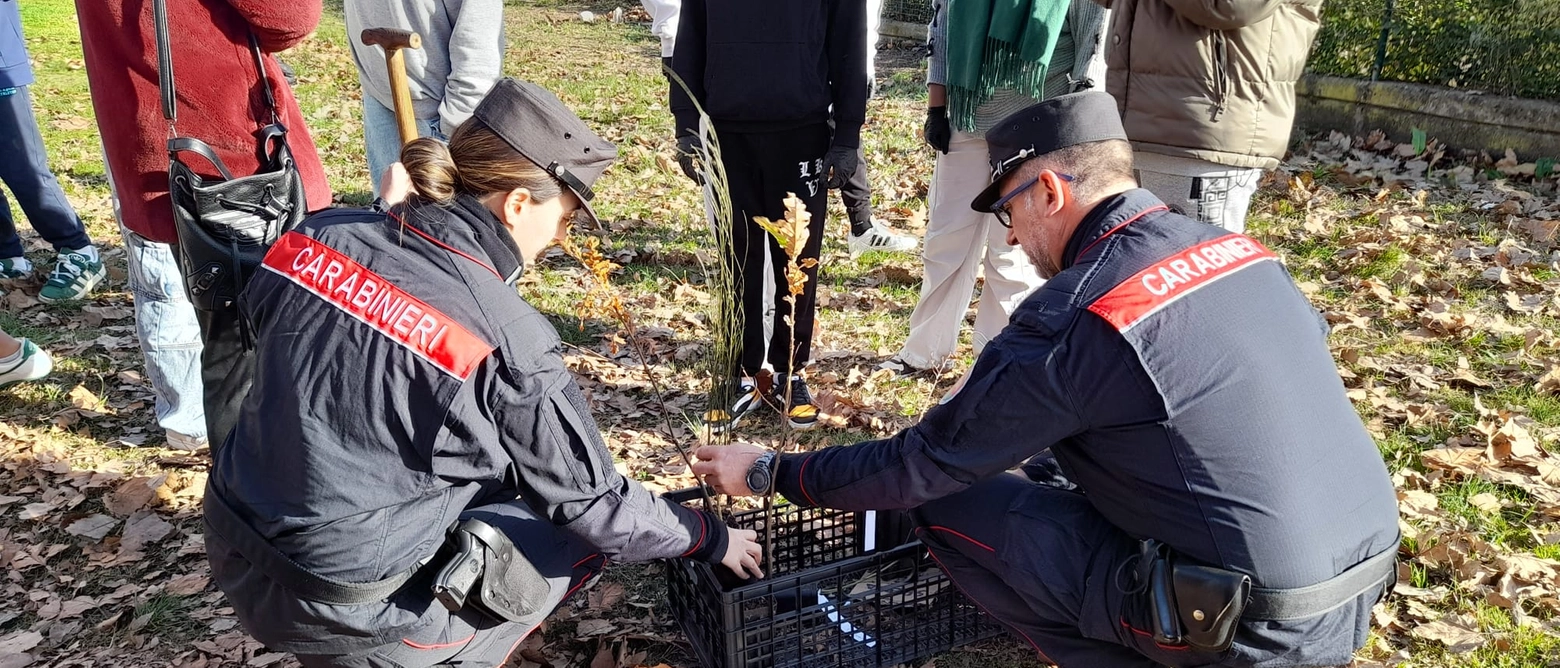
(1204, 492)
(412, 433)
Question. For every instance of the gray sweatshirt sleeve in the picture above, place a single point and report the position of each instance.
(476, 49)
(936, 39)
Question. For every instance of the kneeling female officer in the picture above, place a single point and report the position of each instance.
(403, 387)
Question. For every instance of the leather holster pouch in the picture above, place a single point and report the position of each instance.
(509, 588)
(1209, 602)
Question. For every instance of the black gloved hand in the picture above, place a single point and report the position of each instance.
(838, 166)
(938, 133)
(688, 148)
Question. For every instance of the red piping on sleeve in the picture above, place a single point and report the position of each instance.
(801, 480)
(703, 527)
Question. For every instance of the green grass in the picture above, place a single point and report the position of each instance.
(167, 617)
(1507, 527)
(611, 76)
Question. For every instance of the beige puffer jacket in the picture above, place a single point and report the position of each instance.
(1209, 79)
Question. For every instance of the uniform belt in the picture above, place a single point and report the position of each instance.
(1377, 572)
(226, 524)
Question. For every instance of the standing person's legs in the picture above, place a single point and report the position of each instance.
(382, 137)
(865, 233)
(11, 244)
(749, 250)
(792, 164)
(1213, 193)
(955, 238)
(1225, 199)
(1045, 563)
(857, 196)
(25, 169)
(1010, 277)
(168, 331)
(170, 338)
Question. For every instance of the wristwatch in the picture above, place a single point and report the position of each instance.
(761, 475)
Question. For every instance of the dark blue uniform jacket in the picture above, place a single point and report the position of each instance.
(1183, 383)
(401, 380)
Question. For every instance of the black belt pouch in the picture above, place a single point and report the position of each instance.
(1208, 602)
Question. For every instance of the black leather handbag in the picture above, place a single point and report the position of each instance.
(226, 224)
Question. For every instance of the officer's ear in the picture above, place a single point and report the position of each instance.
(1057, 192)
(514, 205)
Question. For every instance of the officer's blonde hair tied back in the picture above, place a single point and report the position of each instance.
(476, 161)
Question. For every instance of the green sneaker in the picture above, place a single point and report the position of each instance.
(75, 273)
(15, 269)
(32, 364)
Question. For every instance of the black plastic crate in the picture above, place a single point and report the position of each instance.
(841, 589)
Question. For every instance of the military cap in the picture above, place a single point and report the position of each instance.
(1057, 123)
(536, 123)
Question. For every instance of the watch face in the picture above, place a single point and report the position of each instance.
(758, 479)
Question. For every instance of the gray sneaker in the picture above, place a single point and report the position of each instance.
(75, 274)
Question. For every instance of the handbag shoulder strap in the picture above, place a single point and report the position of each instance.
(265, 81)
(170, 107)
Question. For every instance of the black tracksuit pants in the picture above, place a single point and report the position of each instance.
(761, 169)
(857, 195)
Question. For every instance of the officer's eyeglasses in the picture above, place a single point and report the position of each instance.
(1002, 208)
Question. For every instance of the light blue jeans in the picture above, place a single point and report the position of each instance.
(169, 334)
(166, 326)
(382, 138)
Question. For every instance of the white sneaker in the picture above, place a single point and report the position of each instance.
(880, 238)
(178, 441)
(32, 363)
(900, 367)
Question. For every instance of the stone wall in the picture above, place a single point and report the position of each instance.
(1459, 119)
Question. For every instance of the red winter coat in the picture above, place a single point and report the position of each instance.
(219, 99)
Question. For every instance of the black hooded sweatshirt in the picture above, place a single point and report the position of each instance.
(772, 65)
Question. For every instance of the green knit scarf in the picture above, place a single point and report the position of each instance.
(998, 44)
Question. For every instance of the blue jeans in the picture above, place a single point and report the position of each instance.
(169, 334)
(25, 169)
(384, 140)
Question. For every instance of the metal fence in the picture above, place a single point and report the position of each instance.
(1507, 47)
(910, 11)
